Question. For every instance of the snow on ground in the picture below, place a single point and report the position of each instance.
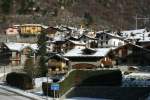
(2, 74)
(136, 79)
(21, 92)
(38, 81)
(140, 75)
(85, 98)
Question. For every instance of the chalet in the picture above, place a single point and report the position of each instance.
(90, 41)
(16, 53)
(30, 29)
(87, 57)
(71, 44)
(58, 46)
(12, 31)
(51, 31)
(130, 54)
(57, 63)
(105, 39)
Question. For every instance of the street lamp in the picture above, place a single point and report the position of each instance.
(4, 74)
(47, 87)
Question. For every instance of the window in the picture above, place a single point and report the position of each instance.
(106, 42)
(101, 43)
(106, 36)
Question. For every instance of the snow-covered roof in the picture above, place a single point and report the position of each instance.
(78, 42)
(59, 38)
(145, 39)
(44, 26)
(78, 52)
(134, 31)
(137, 33)
(16, 46)
(90, 37)
(33, 47)
(140, 34)
(20, 46)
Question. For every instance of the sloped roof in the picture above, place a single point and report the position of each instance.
(78, 52)
(109, 34)
(58, 57)
(77, 42)
(20, 46)
(89, 37)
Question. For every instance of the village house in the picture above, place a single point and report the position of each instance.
(63, 46)
(12, 31)
(106, 40)
(88, 58)
(134, 36)
(71, 44)
(130, 54)
(30, 29)
(58, 46)
(91, 42)
(144, 42)
(51, 31)
(57, 63)
(16, 53)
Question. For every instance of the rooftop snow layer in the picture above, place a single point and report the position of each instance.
(77, 52)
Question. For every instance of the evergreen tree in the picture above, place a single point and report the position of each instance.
(30, 68)
(42, 39)
(6, 6)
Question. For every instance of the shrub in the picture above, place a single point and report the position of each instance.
(19, 80)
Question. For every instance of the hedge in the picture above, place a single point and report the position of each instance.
(86, 78)
(19, 80)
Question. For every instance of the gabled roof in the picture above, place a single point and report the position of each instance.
(58, 57)
(128, 32)
(137, 46)
(87, 37)
(40, 25)
(73, 38)
(78, 52)
(109, 34)
(135, 34)
(77, 42)
(20, 46)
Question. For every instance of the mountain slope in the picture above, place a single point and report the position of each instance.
(117, 14)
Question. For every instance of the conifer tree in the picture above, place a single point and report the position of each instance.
(42, 42)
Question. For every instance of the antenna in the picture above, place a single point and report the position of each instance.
(145, 20)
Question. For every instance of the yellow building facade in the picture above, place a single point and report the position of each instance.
(56, 64)
(30, 29)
